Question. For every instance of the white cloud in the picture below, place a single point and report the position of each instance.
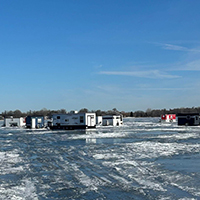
(178, 48)
(189, 60)
(186, 65)
(174, 47)
(192, 65)
(155, 74)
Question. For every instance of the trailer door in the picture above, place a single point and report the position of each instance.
(90, 120)
(33, 121)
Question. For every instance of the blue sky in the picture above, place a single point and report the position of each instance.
(99, 54)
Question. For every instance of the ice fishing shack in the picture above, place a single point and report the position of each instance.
(14, 122)
(35, 122)
(168, 118)
(112, 120)
(188, 119)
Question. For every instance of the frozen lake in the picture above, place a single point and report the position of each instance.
(144, 159)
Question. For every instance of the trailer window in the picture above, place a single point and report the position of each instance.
(81, 119)
(58, 117)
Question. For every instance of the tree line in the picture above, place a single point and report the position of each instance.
(148, 113)
(158, 112)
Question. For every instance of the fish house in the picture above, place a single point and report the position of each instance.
(35, 122)
(73, 120)
(188, 119)
(14, 122)
(169, 118)
(112, 120)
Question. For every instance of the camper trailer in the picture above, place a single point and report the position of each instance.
(168, 118)
(14, 122)
(112, 120)
(35, 122)
(188, 119)
(73, 121)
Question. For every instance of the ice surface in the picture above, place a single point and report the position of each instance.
(143, 159)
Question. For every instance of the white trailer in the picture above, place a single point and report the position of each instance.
(99, 120)
(112, 120)
(73, 120)
(14, 122)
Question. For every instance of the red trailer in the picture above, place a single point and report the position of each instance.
(168, 118)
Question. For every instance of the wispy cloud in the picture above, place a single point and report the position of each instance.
(174, 47)
(193, 65)
(188, 61)
(155, 74)
(186, 65)
(178, 48)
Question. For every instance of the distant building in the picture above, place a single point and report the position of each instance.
(188, 119)
(112, 120)
(169, 118)
(14, 122)
(73, 120)
(35, 122)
